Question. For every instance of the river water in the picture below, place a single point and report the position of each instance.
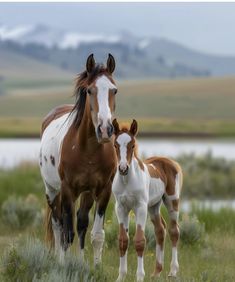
(15, 151)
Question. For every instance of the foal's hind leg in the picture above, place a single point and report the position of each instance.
(173, 210)
(160, 233)
(97, 232)
(86, 202)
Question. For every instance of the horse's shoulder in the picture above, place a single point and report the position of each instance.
(54, 114)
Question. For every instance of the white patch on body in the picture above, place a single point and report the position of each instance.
(103, 85)
(156, 190)
(123, 140)
(51, 143)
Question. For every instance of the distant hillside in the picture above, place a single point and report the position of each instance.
(137, 57)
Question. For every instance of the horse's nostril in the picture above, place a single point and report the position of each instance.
(110, 130)
(99, 130)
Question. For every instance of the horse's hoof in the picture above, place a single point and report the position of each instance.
(155, 274)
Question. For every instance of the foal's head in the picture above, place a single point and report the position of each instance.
(125, 145)
(98, 88)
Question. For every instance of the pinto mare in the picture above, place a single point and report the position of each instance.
(78, 159)
(141, 187)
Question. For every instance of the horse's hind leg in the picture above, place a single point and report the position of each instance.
(160, 233)
(54, 203)
(67, 206)
(86, 202)
(172, 205)
(97, 232)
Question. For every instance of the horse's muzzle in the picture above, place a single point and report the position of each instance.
(104, 133)
(123, 171)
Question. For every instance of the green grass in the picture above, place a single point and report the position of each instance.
(202, 105)
(210, 260)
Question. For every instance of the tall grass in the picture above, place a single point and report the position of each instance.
(29, 260)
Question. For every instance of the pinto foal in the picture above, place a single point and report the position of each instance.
(141, 187)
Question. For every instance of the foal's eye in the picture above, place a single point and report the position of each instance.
(115, 91)
(89, 91)
(133, 146)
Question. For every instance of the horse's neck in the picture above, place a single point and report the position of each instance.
(85, 135)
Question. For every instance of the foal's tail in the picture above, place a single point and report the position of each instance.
(180, 172)
(49, 237)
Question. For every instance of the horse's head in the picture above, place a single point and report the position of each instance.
(125, 145)
(101, 91)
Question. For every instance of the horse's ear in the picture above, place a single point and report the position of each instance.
(90, 63)
(116, 126)
(134, 127)
(111, 64)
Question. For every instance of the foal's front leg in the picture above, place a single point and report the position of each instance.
(123, 220)
(139, 239)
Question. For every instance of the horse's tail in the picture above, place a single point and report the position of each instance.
(49, 237)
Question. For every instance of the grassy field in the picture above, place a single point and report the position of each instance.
(192, 106)
(209, 257)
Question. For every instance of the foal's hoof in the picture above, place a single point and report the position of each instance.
(172, 274)
(155, 274)
(121, 278)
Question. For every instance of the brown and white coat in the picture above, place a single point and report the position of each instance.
(141, 187)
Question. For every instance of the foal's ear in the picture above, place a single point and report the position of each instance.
(111, 64)
(116, 126)
(90, 63)
(134, 127)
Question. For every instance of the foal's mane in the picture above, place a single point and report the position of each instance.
(82, 81)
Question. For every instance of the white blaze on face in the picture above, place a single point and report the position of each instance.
(123, 140)
(103, 85)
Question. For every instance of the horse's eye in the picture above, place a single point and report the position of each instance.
(133, 146)
(89, 91)
(115, 91)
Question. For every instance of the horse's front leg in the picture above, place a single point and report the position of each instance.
(97, 232)
(123, 220)
(67, 207)
(139, 239)
(86, 202)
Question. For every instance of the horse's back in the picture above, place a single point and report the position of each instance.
(165, 174)
(54, 114)
(54, 128)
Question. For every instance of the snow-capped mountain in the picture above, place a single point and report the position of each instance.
(137, 56)
(50, 37)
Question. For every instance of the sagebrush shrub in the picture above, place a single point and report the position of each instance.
(30, 260)
(19, 213)
(191, 230)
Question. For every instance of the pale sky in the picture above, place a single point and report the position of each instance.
(207, 27)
